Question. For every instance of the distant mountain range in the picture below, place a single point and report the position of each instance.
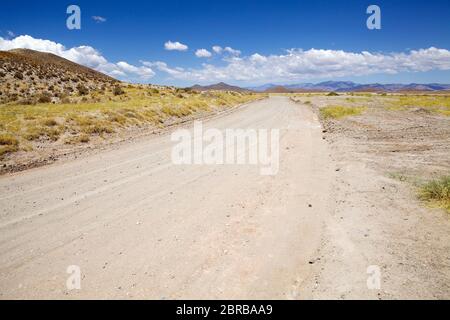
(221, 86)
(348, 86)
(337, 86)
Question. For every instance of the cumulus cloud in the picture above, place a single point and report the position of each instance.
(203, 53)
(99, 19)
(84, 55)
(297, 64)
(232, 51)
(169, 45)
(217, 49)
(142, 72)
(162, 66)
(292, 65)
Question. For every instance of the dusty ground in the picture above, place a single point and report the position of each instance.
(377, 220)
(140, 227)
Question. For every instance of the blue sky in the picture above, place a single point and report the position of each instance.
(135, 32)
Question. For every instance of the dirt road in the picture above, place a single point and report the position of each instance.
(138, 226)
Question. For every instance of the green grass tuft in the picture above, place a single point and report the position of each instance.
(436, 193)
(8, 140)
(338, 112)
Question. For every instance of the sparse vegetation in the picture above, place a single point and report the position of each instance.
(8, 144)
(49, 122)
(99, 114)
(117, 90)
(8, 140)
(82, 90)
(44, 98)
(434, 103)
(338, 112)
(436, 193)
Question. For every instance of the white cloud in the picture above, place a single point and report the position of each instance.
(203, 53)
(258, 58)
(297, 65)
(162, 66)
(99, 19)
(143, 72)
(85, 55)
(10, 33)
(232, 51)
(217, 49)
(293, 65)
(169, 45)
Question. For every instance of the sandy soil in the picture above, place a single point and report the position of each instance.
(377, 219)
(140, 227)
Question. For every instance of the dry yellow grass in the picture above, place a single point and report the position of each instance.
(436, 103)
(437, 193)
(338, 112)
(104, 113)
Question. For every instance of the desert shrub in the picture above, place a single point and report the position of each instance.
(332, 94)
(83, 138)
(18, 75)
(98, 128)
(8, 140)
(49, 122)
(117, 91)
(44, 98)
(4, 150)
(115, 117)
(13, 97)
(82, 90)
(437, 192)
(36, 132)
(33, 133)
(176, 111)
(27, 101)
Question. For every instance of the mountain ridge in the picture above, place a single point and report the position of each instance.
(221, 86)
(349, 86)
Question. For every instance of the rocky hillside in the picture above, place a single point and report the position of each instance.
(28, 76)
